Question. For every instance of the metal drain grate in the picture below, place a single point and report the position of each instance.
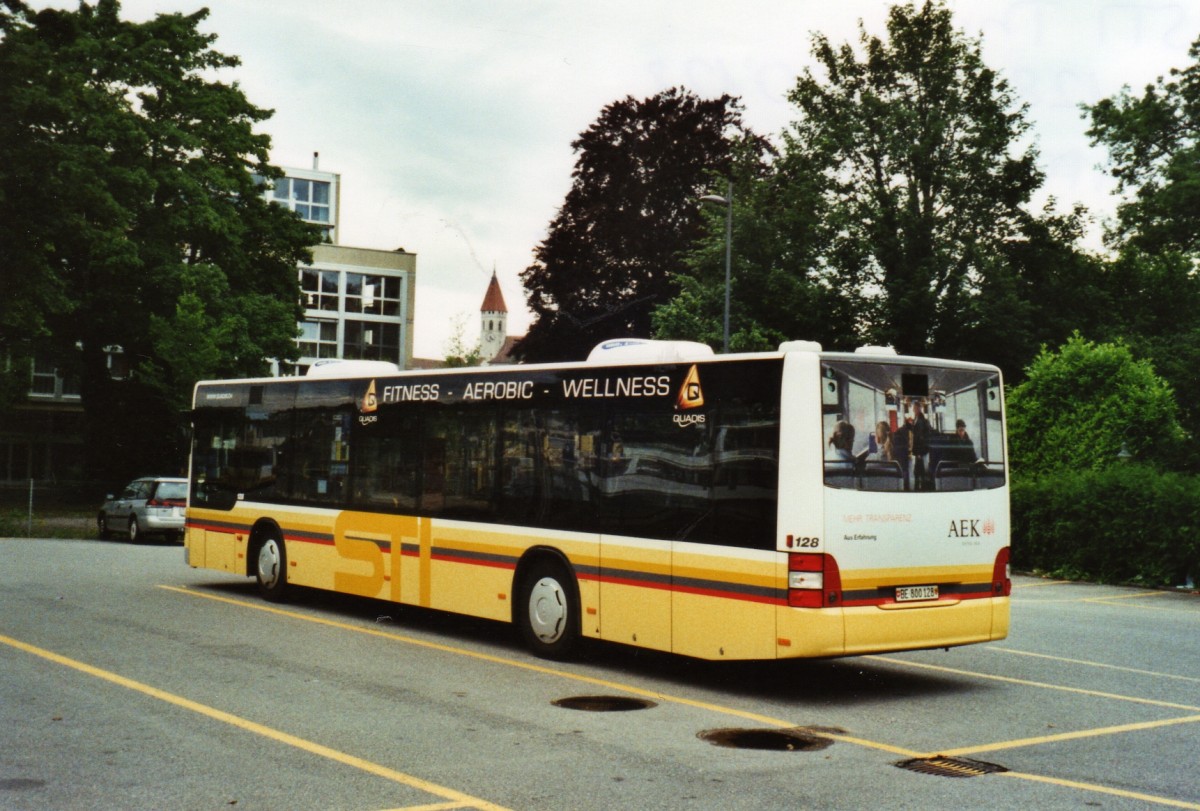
(604, 703)
(950, 766)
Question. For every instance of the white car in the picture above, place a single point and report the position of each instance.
(147, 506)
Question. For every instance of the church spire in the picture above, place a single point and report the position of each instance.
(493, 300)
(493, 321)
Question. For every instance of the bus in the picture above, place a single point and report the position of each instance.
(796, 503)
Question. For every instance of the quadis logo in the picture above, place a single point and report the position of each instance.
(691, 395)
(368, 406)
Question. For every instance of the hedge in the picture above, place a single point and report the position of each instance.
(1127, 524)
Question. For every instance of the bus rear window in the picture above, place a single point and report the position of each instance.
(907, 428)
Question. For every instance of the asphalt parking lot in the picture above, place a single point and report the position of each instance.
(128, 680)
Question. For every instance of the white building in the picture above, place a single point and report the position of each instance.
(358, 302)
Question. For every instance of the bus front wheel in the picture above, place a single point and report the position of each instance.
(548, 610)
(271, 569)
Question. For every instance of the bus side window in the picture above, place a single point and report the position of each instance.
(465, 444)
(321, 456)
(386, 469)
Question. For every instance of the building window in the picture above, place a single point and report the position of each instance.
(318, 339)
(47, 379)
(319, 289)
(372, 295)
(372, 340)
(308, 198)
(312, 200)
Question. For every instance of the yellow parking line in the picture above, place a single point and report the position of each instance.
(487, 657)
(1040, 585)
(1043, 685)
(1068, 736)
(1124, 596)
(1114, 792)
(460, 799)
(716, 708)
(1115, 597)
(1156, 674)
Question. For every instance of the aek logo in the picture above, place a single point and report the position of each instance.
(971, 528)
(368, 405)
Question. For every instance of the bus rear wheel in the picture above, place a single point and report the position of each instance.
(271, 569)
(548, 610)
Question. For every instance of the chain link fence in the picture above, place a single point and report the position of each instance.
(41, 509)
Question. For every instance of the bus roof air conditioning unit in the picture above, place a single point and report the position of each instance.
(641, 350)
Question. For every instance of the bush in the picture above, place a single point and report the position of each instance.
(1126, 524)
(1082, 405)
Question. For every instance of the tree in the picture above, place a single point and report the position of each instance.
(131, 217)
(924, 182)
(780, 287)
(459, 353)
(1153, 143)
(614, 249)
(1082, 405)
(1157, 314)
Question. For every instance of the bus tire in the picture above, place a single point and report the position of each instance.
(270, 568)
(548, 609)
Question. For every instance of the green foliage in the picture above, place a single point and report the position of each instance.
(1129, 523)
(130, 210)
(896, 212)
(1153, 141)
(459, 353)
(1082, 405)
(1159, 318)
(919, 145)
(779, 286)
(614, 250)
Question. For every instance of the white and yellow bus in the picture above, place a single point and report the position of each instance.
(797, 503)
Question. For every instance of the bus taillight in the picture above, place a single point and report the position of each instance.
(813, 580)
(1001, 575)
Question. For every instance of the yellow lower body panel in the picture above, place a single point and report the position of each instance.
(809, 633)
(874, 629)
(709, 628)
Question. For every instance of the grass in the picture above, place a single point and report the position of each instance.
(64, 523)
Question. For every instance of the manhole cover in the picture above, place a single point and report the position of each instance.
(20, 784)
(604, 703)
(776, 740)
(950, 766)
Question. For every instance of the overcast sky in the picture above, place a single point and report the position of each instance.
(450, 123)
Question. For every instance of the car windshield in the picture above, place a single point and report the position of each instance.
(171, 490)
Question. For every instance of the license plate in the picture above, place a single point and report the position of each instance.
(908, 594)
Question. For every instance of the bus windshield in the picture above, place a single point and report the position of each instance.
(905, 427)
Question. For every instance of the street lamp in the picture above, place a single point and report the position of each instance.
(726, 201)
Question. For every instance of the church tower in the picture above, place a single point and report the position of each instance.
(493, 321)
